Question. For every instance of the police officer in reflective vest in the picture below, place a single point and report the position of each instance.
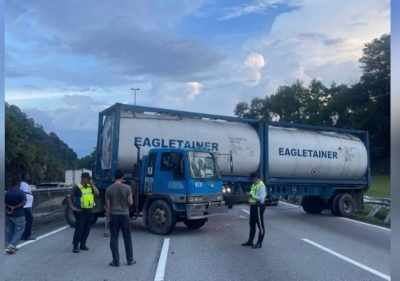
(81, 201)
(256, 199)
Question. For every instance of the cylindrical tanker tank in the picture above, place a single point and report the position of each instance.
(293, 153)
(238, 142)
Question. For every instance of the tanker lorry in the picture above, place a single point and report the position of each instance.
(170, 183)
(327, 167)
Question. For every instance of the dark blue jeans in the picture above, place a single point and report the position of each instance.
(15, 227)
(29, 222)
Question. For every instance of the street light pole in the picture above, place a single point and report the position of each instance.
(135, 89)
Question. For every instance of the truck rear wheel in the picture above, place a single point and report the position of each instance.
(70, 217)
(161, 218)
(344, 205)
(195, 224)
(312, 204)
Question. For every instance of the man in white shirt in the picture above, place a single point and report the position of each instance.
(27, 208)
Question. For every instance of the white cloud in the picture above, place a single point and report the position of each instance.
(253, 64)
(312, 38)
(194, 88)
(259, 6)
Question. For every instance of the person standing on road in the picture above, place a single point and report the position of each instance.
(15, 200)
(27, 235)
(256, 199)
(82, 195)
(118, 199)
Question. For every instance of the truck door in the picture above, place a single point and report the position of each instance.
(170, 174)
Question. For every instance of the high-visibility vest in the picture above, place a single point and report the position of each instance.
(254, 191)
(87, 198)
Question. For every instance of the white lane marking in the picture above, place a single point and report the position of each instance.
(384, 276)
(244, 210)
(42, 236)
(162, 261)
(376, 226)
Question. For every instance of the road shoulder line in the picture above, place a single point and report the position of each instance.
(42, 236)
(380, 274)
(360, 222)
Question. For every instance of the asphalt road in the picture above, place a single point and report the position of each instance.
(297, 246)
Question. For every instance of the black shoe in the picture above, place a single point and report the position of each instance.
(131, 262)
(113, 264)
(29, 238)
(75, 249)
(83, 247)
(247, 244)
(256, 246)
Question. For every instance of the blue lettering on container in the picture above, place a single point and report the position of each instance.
(172, 143)
(282, 151)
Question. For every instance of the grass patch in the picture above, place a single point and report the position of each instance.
(380, 186)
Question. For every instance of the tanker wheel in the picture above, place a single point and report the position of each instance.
(344, 205)
(70, 217)
(312, 204)
(195, 224)
(334, 205)
(161, 218)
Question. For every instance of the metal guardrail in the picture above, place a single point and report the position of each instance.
(378, 203)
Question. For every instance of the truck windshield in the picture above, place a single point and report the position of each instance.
(202, 165)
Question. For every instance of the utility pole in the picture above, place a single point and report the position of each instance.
(135, 89)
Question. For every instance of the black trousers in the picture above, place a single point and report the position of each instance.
(82, 226)
(257, 218)
(28, 223)
(117, 223)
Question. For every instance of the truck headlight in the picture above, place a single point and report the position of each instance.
(226, 190)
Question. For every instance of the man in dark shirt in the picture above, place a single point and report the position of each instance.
(81, 201)
(15, 200)
(118, 198)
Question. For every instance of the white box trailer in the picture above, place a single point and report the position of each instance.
(73, 177)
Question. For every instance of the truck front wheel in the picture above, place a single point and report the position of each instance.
(161, 218)
(195, 224)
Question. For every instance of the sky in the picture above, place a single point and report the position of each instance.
(67, 60)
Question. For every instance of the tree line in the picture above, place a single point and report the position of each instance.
(365, 105)
(29, 149)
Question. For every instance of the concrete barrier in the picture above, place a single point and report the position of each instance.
(47, 204)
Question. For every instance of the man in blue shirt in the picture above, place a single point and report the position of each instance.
(15, 200)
